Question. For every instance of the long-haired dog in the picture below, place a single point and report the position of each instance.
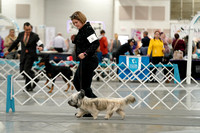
(95, 105)
(52, 71)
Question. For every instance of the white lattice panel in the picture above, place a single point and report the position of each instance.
(108, 82)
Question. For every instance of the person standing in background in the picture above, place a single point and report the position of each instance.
(194, 47)
(103, 44)
(167, 55)
(145, 43)
(156, 47)
(145, 40)
(59, 43)
(178, 44)
(28, 55)
(115, 44)
(8, 42)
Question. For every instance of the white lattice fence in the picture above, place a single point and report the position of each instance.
(158, 95)
(6, 67)
(112, 80)
(40, 94)
(9, 67)
(2, 89)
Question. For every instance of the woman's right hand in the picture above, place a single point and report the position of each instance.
(6, 53)
(81, 56)
(73, 37)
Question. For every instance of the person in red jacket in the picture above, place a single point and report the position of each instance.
(103, 44)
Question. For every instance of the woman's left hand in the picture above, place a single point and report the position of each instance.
(40, 48)
(81, 56)
(163, 50)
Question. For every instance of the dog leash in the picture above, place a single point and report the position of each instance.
(81, 69)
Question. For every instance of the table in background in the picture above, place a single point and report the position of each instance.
(141, 70)
(182, 65)
(55, 56)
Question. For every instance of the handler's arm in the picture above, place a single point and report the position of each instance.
(94, 41)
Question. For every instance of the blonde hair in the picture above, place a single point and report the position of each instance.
(79, 16)
(116, 36)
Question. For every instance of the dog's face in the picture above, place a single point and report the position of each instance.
(75, 99)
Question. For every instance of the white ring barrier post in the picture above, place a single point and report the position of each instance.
(189, 60)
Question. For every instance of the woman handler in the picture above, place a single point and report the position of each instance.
(86, 43)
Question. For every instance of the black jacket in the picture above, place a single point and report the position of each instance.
(86, 41)
(145, 41)
(31, 45)
(124, 48)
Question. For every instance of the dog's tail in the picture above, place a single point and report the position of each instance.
(129, 99)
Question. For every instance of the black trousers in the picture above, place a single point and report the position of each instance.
(85, 76)
(166, 61)
(26, 65)
(115, 55)
(156, 60)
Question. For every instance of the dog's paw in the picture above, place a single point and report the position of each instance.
(106, 118)
(77, 115)
(50, 92)
(72, 88)
(94, 118)
(123, 117)
(66, 90)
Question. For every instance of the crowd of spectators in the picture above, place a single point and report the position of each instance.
(109, 50)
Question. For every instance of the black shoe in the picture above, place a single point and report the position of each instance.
(87, 115)
(29, 89)
(154, 81)
(37, 80)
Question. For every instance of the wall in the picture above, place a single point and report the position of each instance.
(57, 12)
(124, 26)
(0, 6)
(36, 13)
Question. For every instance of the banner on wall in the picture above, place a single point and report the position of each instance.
(183, 30)
(134, 63)
(136, 34)
(50, 33)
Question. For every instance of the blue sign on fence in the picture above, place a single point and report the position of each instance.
(134, 63)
